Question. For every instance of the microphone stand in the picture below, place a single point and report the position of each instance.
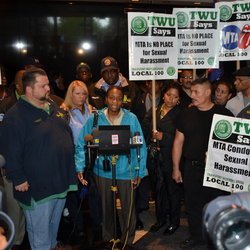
(114, 189)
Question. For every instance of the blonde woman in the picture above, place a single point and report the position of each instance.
(76, 103)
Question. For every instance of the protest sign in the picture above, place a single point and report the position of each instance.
(152, 46)
(228, 159)
(198, 38)
(234, 30)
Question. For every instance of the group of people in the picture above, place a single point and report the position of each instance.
(45, 147)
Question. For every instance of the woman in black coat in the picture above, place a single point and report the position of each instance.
(168, 192)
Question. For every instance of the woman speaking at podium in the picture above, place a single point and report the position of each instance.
(128, 172)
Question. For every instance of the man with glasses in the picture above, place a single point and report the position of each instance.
(186, 79)
(242, 85)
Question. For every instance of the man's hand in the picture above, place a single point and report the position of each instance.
(80, 178)
(136, 182)
(176, 155)
(22, 187)
(176, 175)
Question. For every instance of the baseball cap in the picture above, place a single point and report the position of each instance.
(82, 65)
(108, 63)
(242, 72)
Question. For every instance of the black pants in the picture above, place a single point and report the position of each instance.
(168, 194)
(142, 195)
(197, 196)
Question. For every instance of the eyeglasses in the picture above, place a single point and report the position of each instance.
(187, 77)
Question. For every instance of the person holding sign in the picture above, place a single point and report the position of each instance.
(242, 85)
(167, 191)
(191, 141)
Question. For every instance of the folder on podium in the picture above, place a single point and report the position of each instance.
(114, 139)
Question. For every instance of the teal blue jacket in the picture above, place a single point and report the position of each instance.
(124, 170)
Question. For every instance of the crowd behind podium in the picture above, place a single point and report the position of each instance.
(44, 122)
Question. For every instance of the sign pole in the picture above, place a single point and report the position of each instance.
(194, 74)
(153, 106)
(238, 64)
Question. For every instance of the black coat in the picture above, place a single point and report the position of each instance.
(167, 125)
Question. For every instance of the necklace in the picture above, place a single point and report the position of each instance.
(162, 111)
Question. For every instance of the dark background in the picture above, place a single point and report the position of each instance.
(54, 30)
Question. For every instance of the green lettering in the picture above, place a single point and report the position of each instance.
(171, 21)
(244, 7)
(162, 21)
(247, 129)
(235, 7)
(203, 15)
(192, 14)
(213, 15)
(238, 125)
(151, 20)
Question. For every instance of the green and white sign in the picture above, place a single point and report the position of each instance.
(198, 38)
(152, 46)
(234, 30)
(228, 158)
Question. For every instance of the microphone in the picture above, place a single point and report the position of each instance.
(2, 161)
(130, 139)
(88, 139)
(137, 141)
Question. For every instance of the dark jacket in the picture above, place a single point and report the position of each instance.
(185, 100)
(38, 148)
(167, 126)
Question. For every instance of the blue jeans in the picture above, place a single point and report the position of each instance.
(42, 223)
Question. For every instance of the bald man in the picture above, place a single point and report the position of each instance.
(191, 141)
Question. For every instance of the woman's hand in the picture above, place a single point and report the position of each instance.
(157, 135)
(176, 175)
(136, 182)
(80, 178)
